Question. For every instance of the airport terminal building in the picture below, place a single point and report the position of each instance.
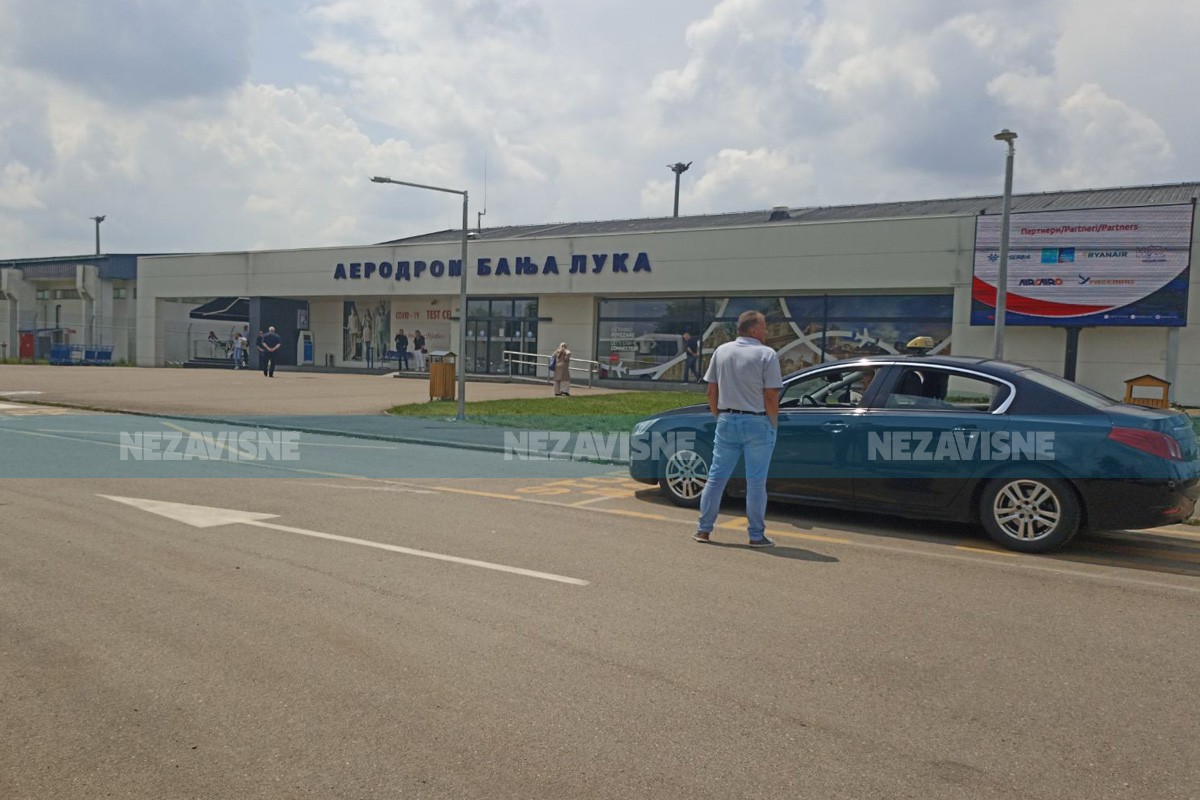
(1098, 281)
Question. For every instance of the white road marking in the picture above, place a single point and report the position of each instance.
(389, 488)
(208, 517)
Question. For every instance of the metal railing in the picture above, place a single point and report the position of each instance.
(535, 360)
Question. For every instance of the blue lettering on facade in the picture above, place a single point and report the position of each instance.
(517, 265)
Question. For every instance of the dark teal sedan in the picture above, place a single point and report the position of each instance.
(1030, 456)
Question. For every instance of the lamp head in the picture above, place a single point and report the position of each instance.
(1005, 136)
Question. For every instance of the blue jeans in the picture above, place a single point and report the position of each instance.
(739, 436)
(402, 359)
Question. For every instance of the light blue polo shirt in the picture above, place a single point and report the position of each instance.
(742, 369)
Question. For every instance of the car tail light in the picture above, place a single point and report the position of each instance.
(1152, 442)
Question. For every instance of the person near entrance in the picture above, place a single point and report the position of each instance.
(270, 346)
(691, 358)
(744, 381)
(561, 370)
(401, 350)
(419, 350)
(239, 348)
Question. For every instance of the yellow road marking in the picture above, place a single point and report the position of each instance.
(589, 501)
(985, 550)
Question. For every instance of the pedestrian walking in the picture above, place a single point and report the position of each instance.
(744, 381)
(561, 370)
(270, 345)
(239, 347)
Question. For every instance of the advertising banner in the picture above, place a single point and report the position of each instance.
(1111, 266)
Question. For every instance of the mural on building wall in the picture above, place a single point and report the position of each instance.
(363, 323)
(644, 339)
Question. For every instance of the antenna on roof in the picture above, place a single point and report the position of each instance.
(479, 215)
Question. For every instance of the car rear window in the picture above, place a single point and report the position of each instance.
(1080, 394)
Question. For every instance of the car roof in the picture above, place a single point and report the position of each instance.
(985, 365)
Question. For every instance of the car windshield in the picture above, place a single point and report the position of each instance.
(1068, 388)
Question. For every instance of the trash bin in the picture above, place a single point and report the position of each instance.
(441, 374)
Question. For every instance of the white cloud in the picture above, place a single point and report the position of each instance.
(579, 107)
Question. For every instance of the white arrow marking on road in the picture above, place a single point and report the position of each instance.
(207, 517)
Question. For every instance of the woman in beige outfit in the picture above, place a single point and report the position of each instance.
(562, 371)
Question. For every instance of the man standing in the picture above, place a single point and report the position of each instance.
(691, 362)
(401, 350)
(743, 394)
(270, 345)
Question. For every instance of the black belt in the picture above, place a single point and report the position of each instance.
(739, 411)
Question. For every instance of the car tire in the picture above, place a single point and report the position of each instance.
(683, 475)
(1029, 514)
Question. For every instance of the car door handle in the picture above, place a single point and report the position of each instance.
(836, 427)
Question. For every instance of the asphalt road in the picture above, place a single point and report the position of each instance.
(481, 628)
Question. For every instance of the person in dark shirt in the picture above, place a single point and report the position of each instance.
(270, 347)
(402, 350)
(691, 360)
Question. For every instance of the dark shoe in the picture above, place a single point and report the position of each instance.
(700, 536)
(763, 542)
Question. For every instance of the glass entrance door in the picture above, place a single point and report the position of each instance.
(495, 327)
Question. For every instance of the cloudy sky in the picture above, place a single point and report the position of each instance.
(242, 124)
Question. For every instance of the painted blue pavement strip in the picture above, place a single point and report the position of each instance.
(117, 445)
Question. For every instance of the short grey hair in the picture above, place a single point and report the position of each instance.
(748, 320)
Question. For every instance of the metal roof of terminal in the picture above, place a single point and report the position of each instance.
(1120, 197)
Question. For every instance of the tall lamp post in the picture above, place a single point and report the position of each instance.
(462, 291)
(1007, 137)
(98, 219)
(678, 168)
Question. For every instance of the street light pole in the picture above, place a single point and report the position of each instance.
(98, 219)
(1008, 137)
(678, 168)
(462, 290)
